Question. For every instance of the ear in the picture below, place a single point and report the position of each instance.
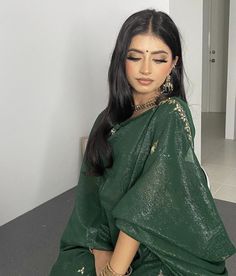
(174, 62)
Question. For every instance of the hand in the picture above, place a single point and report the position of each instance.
(101, 259)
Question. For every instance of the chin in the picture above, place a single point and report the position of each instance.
(144, 91)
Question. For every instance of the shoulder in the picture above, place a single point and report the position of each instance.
(174, 104)
(175, 109)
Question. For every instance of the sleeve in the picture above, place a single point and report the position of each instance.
(170, 208)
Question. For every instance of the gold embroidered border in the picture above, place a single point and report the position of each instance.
(182, 114)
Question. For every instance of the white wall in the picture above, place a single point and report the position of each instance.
(188, 16)
(230, 127)
(53, 83)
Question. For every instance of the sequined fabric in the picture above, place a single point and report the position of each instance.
(157, 193)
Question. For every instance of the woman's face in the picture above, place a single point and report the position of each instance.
(148, 57)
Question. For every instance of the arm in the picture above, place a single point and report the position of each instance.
(124, 252)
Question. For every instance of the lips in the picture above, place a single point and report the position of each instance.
(144, 81)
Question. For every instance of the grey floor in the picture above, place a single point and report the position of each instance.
(29, 244)
(218, 156)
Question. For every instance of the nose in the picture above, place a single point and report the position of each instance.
(145, 67)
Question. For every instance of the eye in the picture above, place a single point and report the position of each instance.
(133, 58)
(156, 60)
(160, 60)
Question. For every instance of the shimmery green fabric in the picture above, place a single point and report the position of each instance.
(157, 193)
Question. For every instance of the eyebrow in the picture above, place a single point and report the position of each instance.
(141, 52)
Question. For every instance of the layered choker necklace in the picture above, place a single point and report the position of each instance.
(149, 103)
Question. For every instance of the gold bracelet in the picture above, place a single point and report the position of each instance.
(108, 271)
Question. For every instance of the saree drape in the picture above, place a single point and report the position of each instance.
(157, 193)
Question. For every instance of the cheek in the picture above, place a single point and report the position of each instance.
(162, 71)
(129, 68)
(161, 74)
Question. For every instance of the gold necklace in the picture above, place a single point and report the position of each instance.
(149, 103)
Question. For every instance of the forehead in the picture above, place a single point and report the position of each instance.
(149, 42)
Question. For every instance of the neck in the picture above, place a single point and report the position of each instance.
(141, 98)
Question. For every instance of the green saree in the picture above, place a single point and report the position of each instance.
(157, 193)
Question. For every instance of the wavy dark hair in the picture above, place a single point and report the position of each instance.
(98, 153)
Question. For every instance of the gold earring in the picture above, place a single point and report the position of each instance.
(168, 86)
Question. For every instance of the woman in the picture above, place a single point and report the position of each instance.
(143, 206)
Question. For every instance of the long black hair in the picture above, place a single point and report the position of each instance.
(98, 153)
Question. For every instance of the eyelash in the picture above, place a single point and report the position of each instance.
(156, 60)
